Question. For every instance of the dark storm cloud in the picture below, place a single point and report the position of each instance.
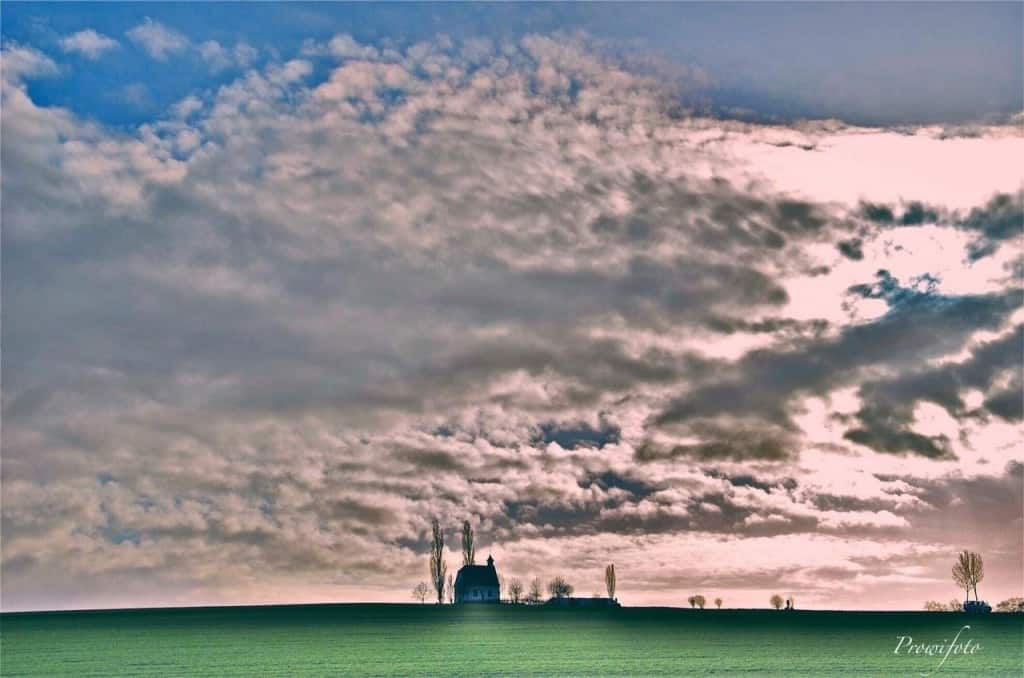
(968, 498)
(998, 221)
(881, 214)
(647, 292)
(361, 512)
(742, 220)
(430, 460)
(726, 440)
(1008, 404)
(762, 384)
(913, 213)
(1002, 219)
(888, 411)
(851, 249)
(606, 480)
(783, 327)
(886, 432)
(598, 366)
(917, 213)
(747, 480)
(579, 436)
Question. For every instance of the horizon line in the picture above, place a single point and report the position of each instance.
(469, 605)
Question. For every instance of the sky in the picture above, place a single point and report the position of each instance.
(726, 295)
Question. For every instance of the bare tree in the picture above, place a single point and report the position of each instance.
(609, 580)
(501, 586)
(960, 576)
(468, 550)
(1011, 605)
(559, 588)
(977, 572)
(700, 601)
(536, 591)
(421, 591)
(776, 601)
(449, 589)
(718, 603)
(515, 590)
(935, 606)
(438, 568)
(968, 571)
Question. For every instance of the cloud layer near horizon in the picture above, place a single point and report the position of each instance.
(251, 347)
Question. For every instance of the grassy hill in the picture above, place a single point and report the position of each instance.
(426, 640)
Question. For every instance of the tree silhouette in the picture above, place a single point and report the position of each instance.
(776, 601)
(609, 580)
(468, 550)
(515, 590)
(1011, 605)
(421, 591)
(692, 600)
(559, 588)
(718, 603)
(449, 589)
(700, 601)
(536, 590)
(960, 576)
(438, 568)
(968, 571)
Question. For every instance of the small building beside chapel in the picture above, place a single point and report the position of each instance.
(478, 584)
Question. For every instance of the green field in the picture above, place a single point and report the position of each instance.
(426, 640)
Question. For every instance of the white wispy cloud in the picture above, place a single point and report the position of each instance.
(21, 62)
(88, 43)
(220, 57)
(157, 40)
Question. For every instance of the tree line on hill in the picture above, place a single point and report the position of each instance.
(1015, 604)
(967, 572)
(512, 590)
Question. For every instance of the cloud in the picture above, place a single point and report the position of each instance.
(917, 326)
(851, 249)
(22, 62)
(187, 106)
(219, 57)
(158, 40)
(343, 46)
(88, 43)
(245, 54)
(136, 94)
(852, 164)
(254, 342)
(991, 224)
(996, 222)
(887, 414)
